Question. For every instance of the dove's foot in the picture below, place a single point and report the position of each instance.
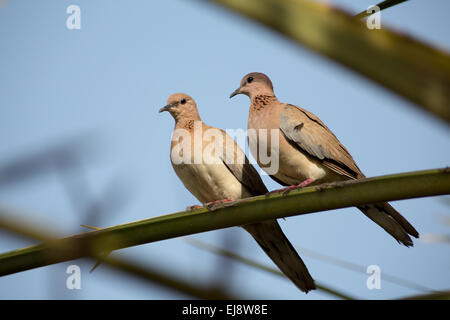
(216, 204)
(195, 206)
(288, 189)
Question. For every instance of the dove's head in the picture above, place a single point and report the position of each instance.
(181, 105)
(253, 84)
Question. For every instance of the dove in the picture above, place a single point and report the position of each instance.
(308, 152)
(214, 169)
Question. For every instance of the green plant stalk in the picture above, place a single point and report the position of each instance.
(416, 71)
(307, 200)
(127, 266)
(382, 5)
(134, 268)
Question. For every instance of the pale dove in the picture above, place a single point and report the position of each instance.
(226, 176)
(309, 153)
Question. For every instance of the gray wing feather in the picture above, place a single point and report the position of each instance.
(243, 170)
(305, 131)
(248, 176)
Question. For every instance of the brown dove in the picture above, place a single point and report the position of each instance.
(216, 170)
(308, 152)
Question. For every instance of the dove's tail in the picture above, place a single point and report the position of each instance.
(392, 221)
(272, 240)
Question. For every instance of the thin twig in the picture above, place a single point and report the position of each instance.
(382, 5)
(249, 262)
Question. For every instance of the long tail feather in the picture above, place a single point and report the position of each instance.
(272, 240)
(391, 221)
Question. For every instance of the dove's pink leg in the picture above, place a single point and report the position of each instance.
(217, 202)
(195, 206)
(213, 204)
(285, 190)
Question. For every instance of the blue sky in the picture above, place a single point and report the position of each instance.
(110, 78)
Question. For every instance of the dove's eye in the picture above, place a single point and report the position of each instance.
(249, 79)
(183, 101)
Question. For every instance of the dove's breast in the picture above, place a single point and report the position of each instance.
(288, 163)
(210, 181)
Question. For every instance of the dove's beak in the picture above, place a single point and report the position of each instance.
(166, 108)
(235, 92)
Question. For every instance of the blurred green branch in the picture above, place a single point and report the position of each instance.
(436, 238)
(416, 71)
(362, 269)
(382, 5)
(339, 262)
(130, 267)
(443, 295)
(167, 280)
(307, 200)
(251, 263)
